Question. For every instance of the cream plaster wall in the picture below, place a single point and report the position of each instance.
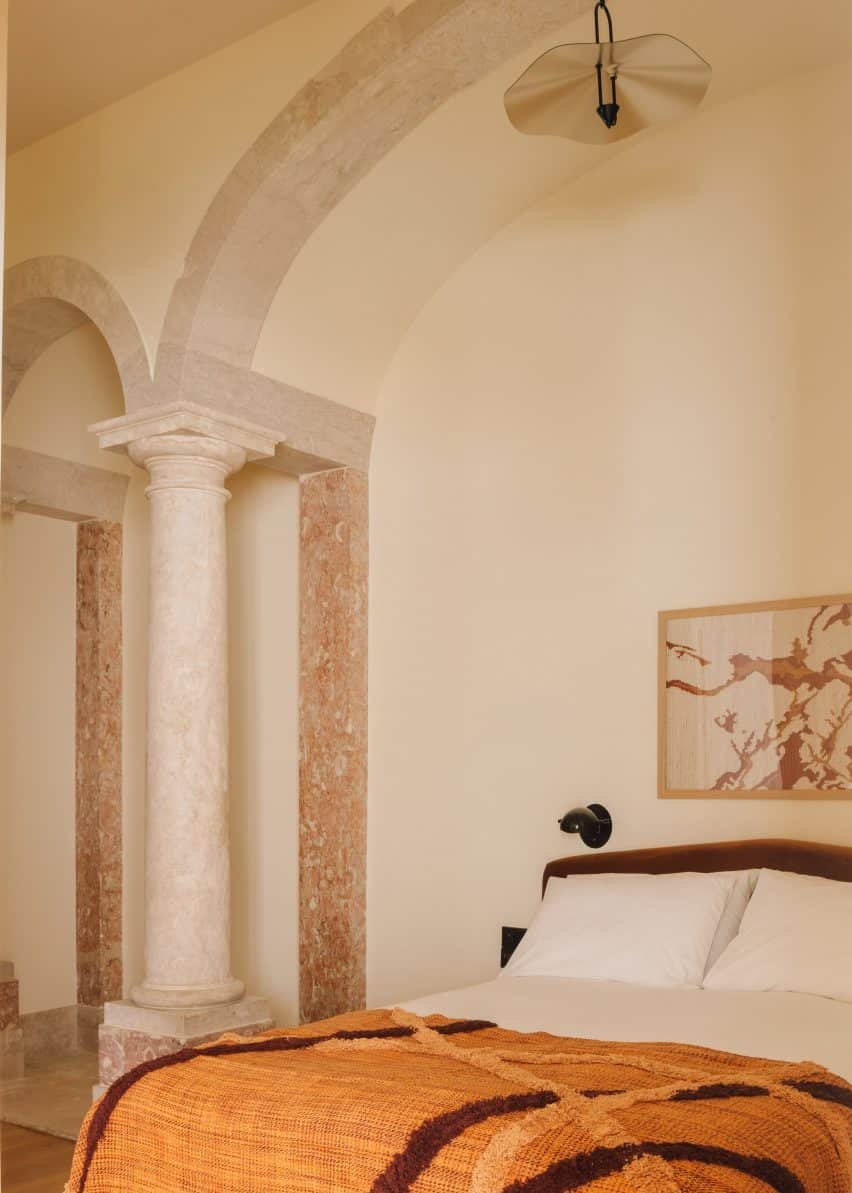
(633, 398)
(134, 612)
(37, 649)
(37, 668)
(263, 547)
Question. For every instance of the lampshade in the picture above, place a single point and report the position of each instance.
(599, 92)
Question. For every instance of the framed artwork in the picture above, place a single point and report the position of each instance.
(755, 701)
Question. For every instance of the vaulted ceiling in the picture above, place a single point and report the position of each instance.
(68, 58)
(432, 200)
(465, 172)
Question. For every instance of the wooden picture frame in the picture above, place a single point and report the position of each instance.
(755, 700)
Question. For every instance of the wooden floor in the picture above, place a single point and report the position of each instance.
(33, 1163)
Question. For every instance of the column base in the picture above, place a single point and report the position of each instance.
(130, 1034)
(169, 998)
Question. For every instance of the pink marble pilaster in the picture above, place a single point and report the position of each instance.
(333, 577)
(98, 763)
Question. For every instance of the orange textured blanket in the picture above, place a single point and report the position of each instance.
(385, 1102)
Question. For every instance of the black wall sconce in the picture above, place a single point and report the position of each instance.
(594, 824)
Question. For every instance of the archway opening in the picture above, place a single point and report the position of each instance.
(61, 923)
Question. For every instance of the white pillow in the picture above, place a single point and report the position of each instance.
(744, 882)
(648, 929)
(796, 935)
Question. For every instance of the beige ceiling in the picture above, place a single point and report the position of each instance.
(68, 58)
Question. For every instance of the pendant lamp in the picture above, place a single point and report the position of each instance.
(607, 90)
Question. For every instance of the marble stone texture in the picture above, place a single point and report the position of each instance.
(47, 1067)
(316, 432)
(89, 1020)
(98, 763)
(61, 1031)
(187, 938)
(8, 1003)
(333, 576)
(186, 1023)
(131, 432)
(11, 1033)
(133, 1034)
(11, 1053)
(48, 297)
(52, 1096)
(49, 1034)
(40, 484)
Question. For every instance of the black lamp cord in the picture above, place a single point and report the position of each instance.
(601, 6)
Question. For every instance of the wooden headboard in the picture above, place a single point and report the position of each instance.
(799, 857)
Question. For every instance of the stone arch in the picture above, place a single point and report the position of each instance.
(386, 81)
(49, 297)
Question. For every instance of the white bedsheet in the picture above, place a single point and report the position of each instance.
(778, 1026)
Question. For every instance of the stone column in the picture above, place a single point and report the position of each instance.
(187, 904)
(188, 991)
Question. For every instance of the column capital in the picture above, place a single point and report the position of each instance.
(189, 419)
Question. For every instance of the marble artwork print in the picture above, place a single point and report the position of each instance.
(756, 700)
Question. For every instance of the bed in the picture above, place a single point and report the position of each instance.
(528, 1084)
(780, 1026)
